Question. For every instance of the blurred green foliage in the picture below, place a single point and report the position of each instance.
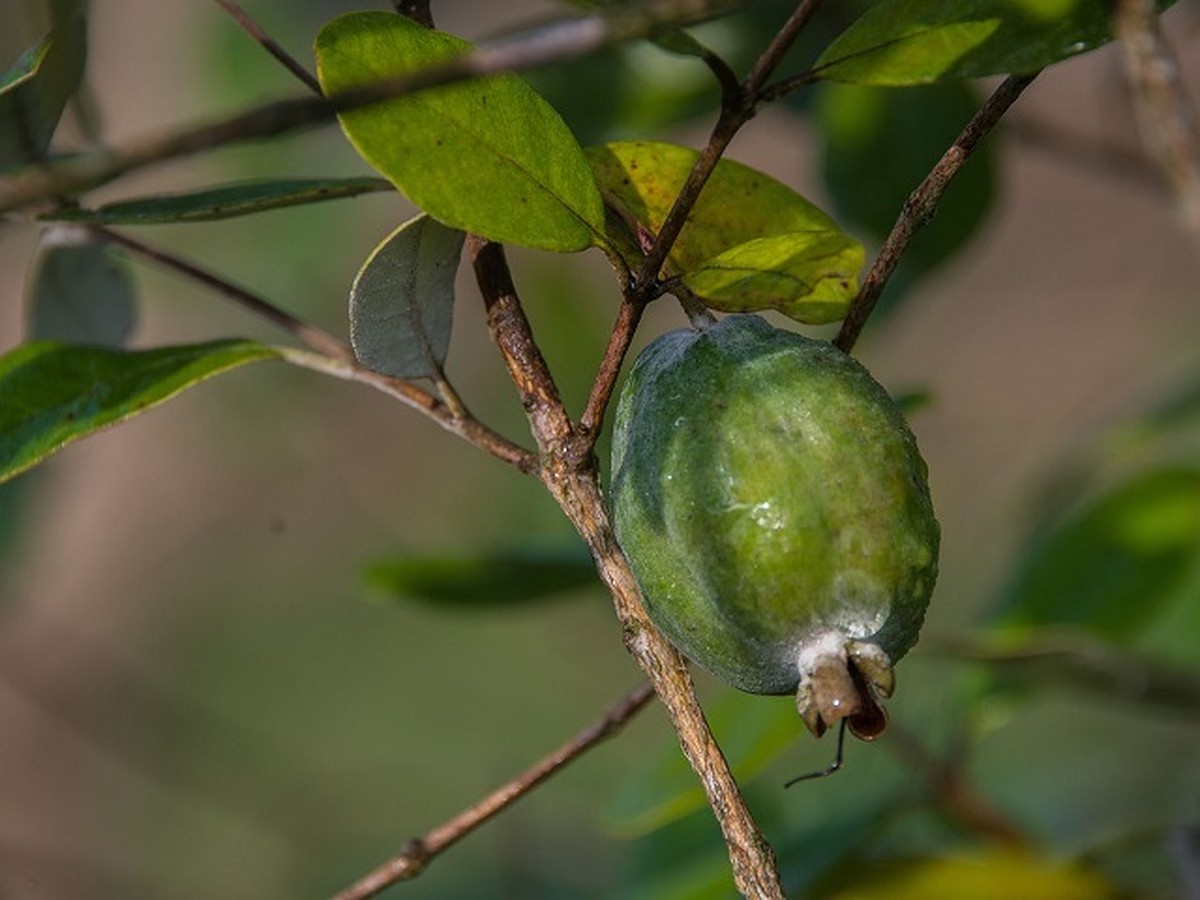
(299, 736)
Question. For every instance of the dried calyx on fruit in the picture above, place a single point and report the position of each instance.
(775, 510)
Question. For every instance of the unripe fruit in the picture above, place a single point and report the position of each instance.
(775, 510)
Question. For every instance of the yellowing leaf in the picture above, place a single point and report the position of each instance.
(750, 243)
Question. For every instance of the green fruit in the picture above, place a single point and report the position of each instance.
(775, 510)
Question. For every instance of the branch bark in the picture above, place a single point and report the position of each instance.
(1165, 116)
(921, 204)
(568, 470)
(411, 861)
(568, 39)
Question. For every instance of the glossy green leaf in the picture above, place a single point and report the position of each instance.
(750, 243)
(402, 300)
(903, 42)
(1115, 565)
(996, 875)
(36, 88)
(808, 276)
(879, 144)
(225, 202)
(79, 292)
(58, 393)
(752, 730)
(488, 156)
(497, 579)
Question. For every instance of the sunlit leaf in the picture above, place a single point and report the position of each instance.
(402, 301)
(751, 242)
(902, 42)
(1116, 564)
(58, 393)
(488, 156)
(878, 146)
(79, 292)
(36, 88)
(497, 579)
(225, 202)
(809, 277)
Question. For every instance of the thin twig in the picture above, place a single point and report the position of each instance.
(332, 357)
(736, 111)
(1165, 115)
(628, 318)
(737, 108)
(567, 467)
(568, 39)
(417, 10)
(921, 204)
(272, 46)
(419, 853)
(457, 421)
(949, 789)
(309, 335)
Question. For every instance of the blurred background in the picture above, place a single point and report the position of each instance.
(202, 696)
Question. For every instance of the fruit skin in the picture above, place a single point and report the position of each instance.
(775, 510)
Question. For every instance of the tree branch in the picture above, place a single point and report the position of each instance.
(269, 44)
(332, 357)
(567, 39)
(315, 338)
(567, 467)
(411, 861)
(1165, 116)
(737, 108)
(921, 204)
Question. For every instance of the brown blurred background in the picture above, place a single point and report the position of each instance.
(198, 696)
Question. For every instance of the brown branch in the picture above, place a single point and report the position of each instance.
(949, 789)
(921, 204)
(332, 357)
(269, 44)
(1165, 116)
(568, 470)
(567, 39)
(737, 108)
(411, 861)
(736, 111)
(309, 335)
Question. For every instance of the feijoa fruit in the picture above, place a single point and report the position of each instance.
(776, 512)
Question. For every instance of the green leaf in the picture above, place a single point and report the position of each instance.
(58, 393)
(877, 147)
(79, 292)
(751, 242)
(1115, 565)
(489, 156)
(225, 202)
(903, 42)
(807, 276)
(498, 579)
(751, 729)
(36, 88)
(402, 301)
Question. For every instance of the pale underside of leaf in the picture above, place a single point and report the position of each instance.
(402, 301)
